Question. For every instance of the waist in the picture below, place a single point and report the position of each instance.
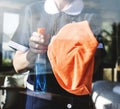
(50, 80)
(52, 86)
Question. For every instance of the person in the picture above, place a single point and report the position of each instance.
(51, 15)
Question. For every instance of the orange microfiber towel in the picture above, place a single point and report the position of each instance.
(71, 54)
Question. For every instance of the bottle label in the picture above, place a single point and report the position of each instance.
(40, 78)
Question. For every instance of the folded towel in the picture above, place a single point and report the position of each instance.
(71, 54)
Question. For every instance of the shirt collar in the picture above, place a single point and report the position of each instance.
(74, 8)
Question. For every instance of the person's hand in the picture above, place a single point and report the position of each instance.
(39, 42)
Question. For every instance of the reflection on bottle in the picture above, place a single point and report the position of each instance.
(40, 73)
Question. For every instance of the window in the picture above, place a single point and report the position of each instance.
(10, 23)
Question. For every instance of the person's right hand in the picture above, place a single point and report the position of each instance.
(39, 42)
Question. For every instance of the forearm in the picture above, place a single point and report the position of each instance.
(23, 61)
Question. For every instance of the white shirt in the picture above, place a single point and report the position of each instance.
(74, 8)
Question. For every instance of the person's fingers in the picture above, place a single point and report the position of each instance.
(38, 50)
(35, 47)
(38, 37)
(35, 34)
(38, 43)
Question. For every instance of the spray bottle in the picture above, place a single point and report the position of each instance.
(40, 70)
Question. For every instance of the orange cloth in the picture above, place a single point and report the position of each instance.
(71, 54)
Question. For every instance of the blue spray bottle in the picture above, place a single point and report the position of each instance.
(40, 73)
(40, 70)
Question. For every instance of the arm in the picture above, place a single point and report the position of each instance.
(24, 61)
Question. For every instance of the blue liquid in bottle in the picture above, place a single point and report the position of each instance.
(40, 73)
